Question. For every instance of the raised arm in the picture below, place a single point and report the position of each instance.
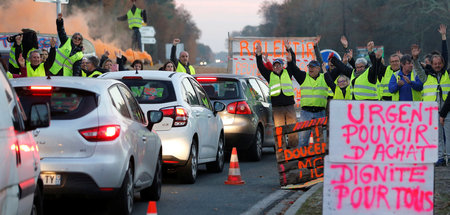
(51, 55)
(173, 52)
(60, 28)
(292, 68)
(443, 31)
(259, 62)
(415, 51)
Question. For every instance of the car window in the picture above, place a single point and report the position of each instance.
(257, 91)
(16, 111)
(248, 93)
(65, 103)
(202, 95)
(264, 88)
(119, 102)
(136, 111)
(189, 93)
(151, 91)
(221, 89)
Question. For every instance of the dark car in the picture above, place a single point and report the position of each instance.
(247, 121)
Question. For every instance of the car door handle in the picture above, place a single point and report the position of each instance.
(197, 114)
(209, 115)
(144, 138)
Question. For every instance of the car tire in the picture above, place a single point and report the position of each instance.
(125, 198)
(217, 166)
(255, 150)
(38, 202)
(188, 173)
(153, 193)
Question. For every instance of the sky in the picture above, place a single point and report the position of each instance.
(215, 18)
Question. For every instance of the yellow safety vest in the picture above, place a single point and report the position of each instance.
(314, 92)
(383, 87)
(282, 83)
(83, 74)
(62, 59)
(339, 95)
(363, 89)
(180, 68)
(9, 75)
(417, 95)
(39, 72)
(135, 20)
(12, 56)
(429, 92)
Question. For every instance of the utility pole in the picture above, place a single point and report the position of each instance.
(57, 2)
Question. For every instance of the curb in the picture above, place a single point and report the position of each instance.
(299, 202)
(259, 207)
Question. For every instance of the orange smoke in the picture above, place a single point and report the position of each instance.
(42, 18)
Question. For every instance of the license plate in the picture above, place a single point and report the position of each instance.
(51, 178)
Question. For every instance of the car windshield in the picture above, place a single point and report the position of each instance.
(222, 89)
(151, 91)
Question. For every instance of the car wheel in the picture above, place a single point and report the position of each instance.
(38, 203)
(125, 199)
(153, 192)
(255, 150)
(188, 173)
(217, 166)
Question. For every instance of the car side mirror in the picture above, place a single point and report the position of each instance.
(153, 116)
(218, 106)
(39, 117)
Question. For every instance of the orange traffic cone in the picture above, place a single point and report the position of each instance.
(311, 138)
(234, 174)
(151, 210)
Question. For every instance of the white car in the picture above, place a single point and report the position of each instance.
(20, 185)
(98, 143)
(191, 130)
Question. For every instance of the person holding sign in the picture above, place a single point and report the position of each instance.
(182, 64)
(281, 93)
(363, 79)
(314, 87)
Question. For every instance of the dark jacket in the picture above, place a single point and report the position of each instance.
(76, 68)
(120, 61)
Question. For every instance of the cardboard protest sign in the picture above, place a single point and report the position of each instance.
(301, 166)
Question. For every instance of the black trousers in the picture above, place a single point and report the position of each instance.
(136, 40)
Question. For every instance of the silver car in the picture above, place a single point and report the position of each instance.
(98, 142)
(191, 130)
(248, 117)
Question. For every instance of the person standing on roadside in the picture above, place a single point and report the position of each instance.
(281, 93)
(182, 64)
(136, 17)
(69, 54)
(436, 87)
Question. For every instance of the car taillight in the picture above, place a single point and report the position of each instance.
(178, 114)
(239, 108)
(206, 79)
(41, 90)
(101, 133)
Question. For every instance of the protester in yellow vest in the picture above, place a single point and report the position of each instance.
(135, 17)
(182, 63)
(385, 73)
(69, 54)
(405, 85)
(34, 67)
(314, 90)
(363, 81)
(93, 69)
(342, 89)
(436, 87)
(281, 93)
(23, 43)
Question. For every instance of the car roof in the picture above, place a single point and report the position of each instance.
(226, 75)
(145, 74)
(89, 84)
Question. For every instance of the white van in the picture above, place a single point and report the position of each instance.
(20, 184)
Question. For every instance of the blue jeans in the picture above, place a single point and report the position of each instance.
(305, 116)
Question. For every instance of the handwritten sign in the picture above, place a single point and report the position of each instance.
(381, 158)
(383, 132)
(301, 166)
(366, 188)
